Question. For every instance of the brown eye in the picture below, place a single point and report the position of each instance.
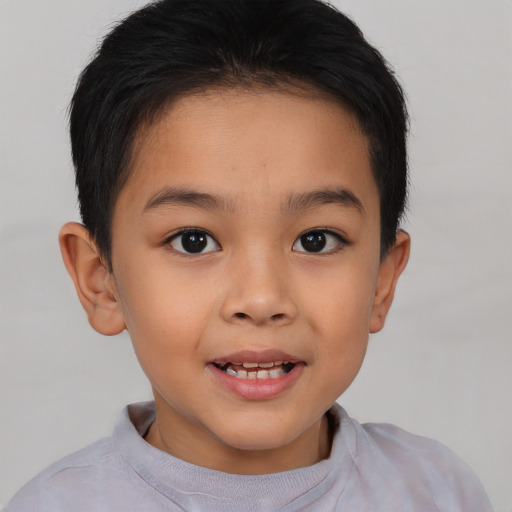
(194, 241)
(318, 241)
(314, 241)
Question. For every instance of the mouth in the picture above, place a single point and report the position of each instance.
(253, 370)
(257, 375)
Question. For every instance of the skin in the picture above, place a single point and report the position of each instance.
(255, 287)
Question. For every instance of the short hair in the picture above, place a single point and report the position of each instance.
(172, 48)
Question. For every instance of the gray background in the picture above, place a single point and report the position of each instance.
(442, 366)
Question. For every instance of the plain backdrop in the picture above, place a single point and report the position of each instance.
(441, 367)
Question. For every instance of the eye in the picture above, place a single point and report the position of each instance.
(193, 241)
(319, 241)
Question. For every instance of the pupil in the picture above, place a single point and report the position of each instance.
(194, 241)
(313, 242)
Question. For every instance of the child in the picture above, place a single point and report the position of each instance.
(241, 170)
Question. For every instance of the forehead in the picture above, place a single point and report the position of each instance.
(251, 146)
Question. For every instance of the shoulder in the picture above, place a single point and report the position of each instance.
(72, 477)
(399, 444)
(97, 477)
(405, 466)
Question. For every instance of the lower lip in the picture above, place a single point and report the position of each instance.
(257, 389)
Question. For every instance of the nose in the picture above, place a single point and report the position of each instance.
(258, 292)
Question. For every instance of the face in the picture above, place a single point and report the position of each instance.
(246, 260)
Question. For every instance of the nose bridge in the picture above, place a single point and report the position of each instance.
(258, 290)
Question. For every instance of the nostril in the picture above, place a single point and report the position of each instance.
(278, 316)
(241, 315)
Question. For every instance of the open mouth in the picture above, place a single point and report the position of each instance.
(269, 370)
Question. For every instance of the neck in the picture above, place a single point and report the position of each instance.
(203, 449)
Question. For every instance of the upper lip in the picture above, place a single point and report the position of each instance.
(255, 356)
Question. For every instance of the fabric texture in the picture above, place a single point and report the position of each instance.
(372, 467)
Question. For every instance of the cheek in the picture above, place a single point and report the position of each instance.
(342, 348)
(342, 304)
(341, 319)
(164, 314)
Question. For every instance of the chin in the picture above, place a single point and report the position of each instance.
(261, 437)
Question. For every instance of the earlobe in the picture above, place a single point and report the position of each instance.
(93, 281)
(390, 269)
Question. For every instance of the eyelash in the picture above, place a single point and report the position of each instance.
(198, 231)
(206, 239)
(340, 241)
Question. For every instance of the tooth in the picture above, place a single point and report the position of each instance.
(276, 373)
(278, 363)
(232, 372)
(251, 375)
(262, 374)
(266, 365)
(241, 374)
(250, 365)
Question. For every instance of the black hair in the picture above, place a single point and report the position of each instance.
(171, 48)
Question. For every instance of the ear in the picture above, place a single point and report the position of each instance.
(390, 269)
(94, 283)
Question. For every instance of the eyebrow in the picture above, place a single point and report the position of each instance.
(295, 203)
(179, 196)
(309, 200)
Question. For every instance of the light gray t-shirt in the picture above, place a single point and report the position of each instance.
(372, 467)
